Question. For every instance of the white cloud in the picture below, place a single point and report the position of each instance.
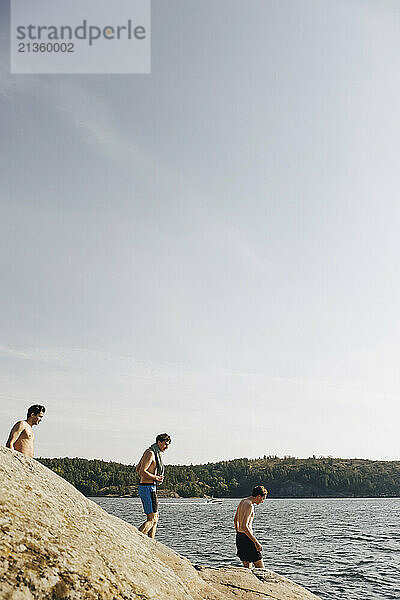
(109, 406)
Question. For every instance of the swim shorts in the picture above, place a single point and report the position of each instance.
(148, 496)
(246, 549)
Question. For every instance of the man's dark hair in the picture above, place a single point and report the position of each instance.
(163, 437)
(35, 409)
(259, 490)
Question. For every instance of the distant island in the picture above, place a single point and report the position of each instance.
(287, 477)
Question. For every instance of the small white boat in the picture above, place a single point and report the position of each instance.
(213, 500)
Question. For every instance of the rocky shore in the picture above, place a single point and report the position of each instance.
(56, 544)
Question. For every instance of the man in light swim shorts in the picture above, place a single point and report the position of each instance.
(21, 436)
(151, 471)
(248, 547)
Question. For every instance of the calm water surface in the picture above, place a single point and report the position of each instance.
(347, 549)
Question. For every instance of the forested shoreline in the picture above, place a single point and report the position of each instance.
(286, 477)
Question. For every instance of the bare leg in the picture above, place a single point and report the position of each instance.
(152, 532)
(149, 527)
(259, 564)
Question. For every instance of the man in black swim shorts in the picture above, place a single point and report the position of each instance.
(248, 547)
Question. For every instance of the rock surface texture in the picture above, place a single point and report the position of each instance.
(56, 544)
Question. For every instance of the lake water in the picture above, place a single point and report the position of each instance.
(339, 549)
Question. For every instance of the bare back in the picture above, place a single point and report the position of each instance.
(147, 465)
(244, 516)
(21, 438)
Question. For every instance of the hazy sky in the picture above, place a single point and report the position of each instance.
(212, 250)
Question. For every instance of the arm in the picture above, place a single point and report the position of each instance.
(247, 512)
(236, 519)
(15, 433)
(145, 462)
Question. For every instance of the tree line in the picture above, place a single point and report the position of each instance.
(286, 477)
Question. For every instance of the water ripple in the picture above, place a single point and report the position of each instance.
(336, 548)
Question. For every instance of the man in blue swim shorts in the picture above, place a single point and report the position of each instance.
(151, 471)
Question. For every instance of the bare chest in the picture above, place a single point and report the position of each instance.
(27, 434)
(152, 468)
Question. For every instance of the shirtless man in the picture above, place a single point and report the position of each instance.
(248, 547)
(21, 436)
(151, 471)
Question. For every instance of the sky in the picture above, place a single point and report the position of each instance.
(211, 250)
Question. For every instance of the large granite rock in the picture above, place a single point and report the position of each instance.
(56, 544)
